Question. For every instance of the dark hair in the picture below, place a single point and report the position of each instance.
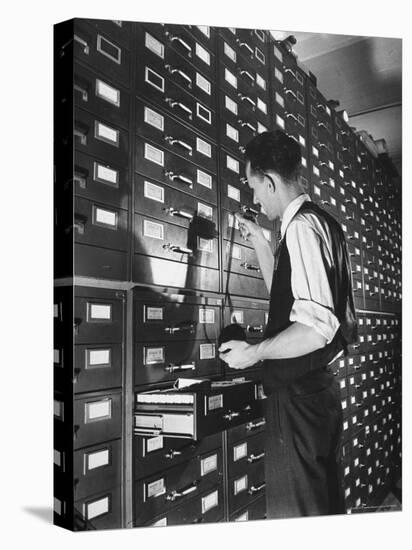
(274, 151)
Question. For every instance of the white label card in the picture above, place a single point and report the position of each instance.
(154, 45)
(97, 508)
(262, 105)
(236, 252)
(279, 75)
(206, 316)
(58, 409)
(243, 517)
(207, 351)
(97, 357)
(278, 54)
(231, 105)
(280, 122)
(108, 93)
(204, 210)
(203, 83)
(154, 119)
(98, 410)
(232, 164)
(215, 402)
(153, 154)
(240, 485)
(105, 217)
(230, 78)
(240, 451)
(204, 147)
(205, 245)
(233, 193)
(106, 133)
(237, 317)
(97, 459)
(153, 230)
(153, 313)
(57, 458)
(105, 174)
(208, 464)
(209, 501)
(154, 192)
(155, 488)
(56, 356)
(153, 356)
(261, 82)
(261, 128)
(154, 444)
(229, 52)
(279, 99)
(203, 54)
(204, 179)
(100, 311)
(232, 133)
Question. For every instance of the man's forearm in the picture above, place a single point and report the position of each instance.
(296, 340)
(266, 260)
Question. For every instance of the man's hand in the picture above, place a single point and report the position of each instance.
(238, 354)
(249, 230)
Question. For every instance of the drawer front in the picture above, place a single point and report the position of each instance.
(172, 321)
(252, 320)
(242, 285)
(119, 31)
(206, 508)
(101, 52)
(96, 93)
(91, 261)
(167, 273)
(97, 419)
(244, 454)
(157, 454)
(97, 137)
(158, 163)
(255, 510)
(97, 468)
(241, 259)
(244, 431)
(100, 511)
(230, 229)
(97, 367)
(241, 109)
(245, 487)
(161, 492)
(172, 242)
(98, 319)
(166, 361)
(96, 180)
(172, 205)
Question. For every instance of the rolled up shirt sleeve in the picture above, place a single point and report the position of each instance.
(313, 305)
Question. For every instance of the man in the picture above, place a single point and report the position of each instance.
(311, 320)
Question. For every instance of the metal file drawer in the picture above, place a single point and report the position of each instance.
(246, 486)
(97, 468)
(100, 51)
(255, 510)
(167, 273)
(249, 429)
(244, 454)
(100, 225)
(100, 511)
(170, 135)
(97, 419)
(204, 508)
(171, 242)
(253, 320)
(170, 321)
(95, 179)
(170, 205)
(166, 361)
(160, 492)
(243, 285)
(241, 259)
(91, 261)
(97, 366)
(98, 316)
(96, 93)
(157, 163)
(97, 137)
(120, 31)
(244, 108)
(157, 454)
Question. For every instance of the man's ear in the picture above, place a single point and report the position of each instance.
(271, 183)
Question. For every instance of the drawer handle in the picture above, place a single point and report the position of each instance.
(254, 425)
(255, 328)
(175, 70)
(229, 416)
(287, 70)
(292, 116)
(248, 99)
(82, 135)
(79, 224)
(187, 326)
(253, 490)
(246, 124)
(254, 458)
(173, 38)
(172, 176)
(321, 124)
(250, 76)
(83, 43)
(178, 213)
(250, 267)
(172, 367)
(181, 143)
(182, 493)
(324, 164)
(290, 92)
(173, 103)
(83, 92)
(243, 181)
(244, 45)
(172, 453)
(325, 202)
(251, 212)
(242, 149)
(178, 249)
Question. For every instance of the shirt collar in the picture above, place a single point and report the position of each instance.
(291, 210)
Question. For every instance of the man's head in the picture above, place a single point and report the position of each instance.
(273, 162)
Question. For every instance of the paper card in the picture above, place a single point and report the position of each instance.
(240, 485)
(105, 174)
(154, 79)
(280, 122)
(203, 147)
(154, 192)
(98, 357)
(105, 217)
(230, 78)
(208, 464)
(279, 99)
(231, 105)
(154, 444)
(229, 52)
(207, 316)
(101, 312)
(152, 313)
(203, 83)
(278, 54)
(239, 451)
(154, 45)
(232, 164)
(215, 402)
(155, 488)
(154, 119)
(98, 459)
(153, 356)
(204, 179)
(153, 154)
(97, 508)
(106, 133)
(202, 53)
(279, 75)
(209, 501)
(98, 410)
(207, 351)
(153, 230)
(203, 113)
(232, 133)
(261, 105)
(204, 210)
(107, 92)
(233, 193)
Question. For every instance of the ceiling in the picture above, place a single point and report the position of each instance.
(365, 74)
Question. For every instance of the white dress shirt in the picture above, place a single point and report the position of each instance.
(310, 250)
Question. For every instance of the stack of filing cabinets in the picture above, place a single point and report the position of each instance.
(151, 121)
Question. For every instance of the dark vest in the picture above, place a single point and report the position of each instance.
(282, 372)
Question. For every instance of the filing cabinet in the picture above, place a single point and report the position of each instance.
(162, 115)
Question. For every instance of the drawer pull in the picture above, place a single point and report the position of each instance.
(251, 212)
(246, 124)
(242, 149)
(290, 92)
(289, 71)
(172, 367)
(243, 181)
(250, 267)
(79, 224)
(256, 328)
(173, 103)
(178, 249)
(182, 493)
(186, 326)
(83, 92)
(244, 45)
(181, 41)
(292, 116)
(250, 76)
(325, 202)
(254, 425)
(83, 43)
(321, 124)
(174, 70)
(325, 164)
(174, 141)
(172, 453)
(81, 135)
(229, 416)
(253, 490)
(254, 458)
(178, 213)
(248, 99)
(172, 176)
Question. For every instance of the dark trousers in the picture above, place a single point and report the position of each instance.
(304, 424)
